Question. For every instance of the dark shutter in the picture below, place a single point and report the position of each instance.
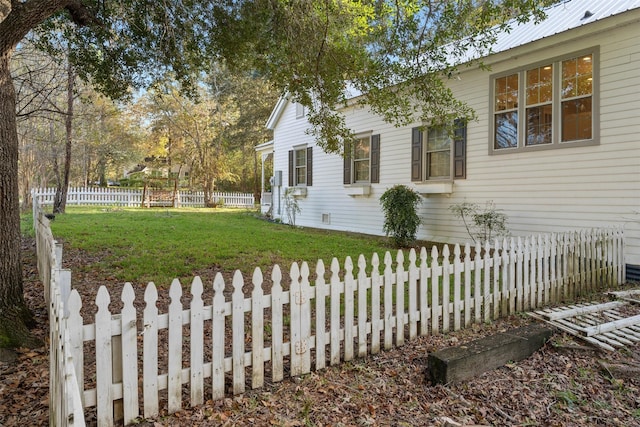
(291, 168)
(309, 166)
(460, 149)
(346, 177)
(375, 159)
(416, 154)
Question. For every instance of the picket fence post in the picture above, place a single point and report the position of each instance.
(257, 331)
(375, 304)
(237, 336)
(196, 378)
(218, 338)
(349, 309)
(362, 306)
(150, 352)
(104, 368)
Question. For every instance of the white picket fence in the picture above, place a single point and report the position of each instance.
(65, 397)
(120, 196)
(321, 319)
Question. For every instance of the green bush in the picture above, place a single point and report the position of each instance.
(401, 219)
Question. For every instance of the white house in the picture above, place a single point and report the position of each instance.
(556, 145)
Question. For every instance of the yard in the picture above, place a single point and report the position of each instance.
(561, 385)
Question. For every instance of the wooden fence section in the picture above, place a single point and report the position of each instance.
(65, 403)
(128, 197)
(322, 318)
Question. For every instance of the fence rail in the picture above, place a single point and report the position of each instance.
(324, 318)
(129, 197)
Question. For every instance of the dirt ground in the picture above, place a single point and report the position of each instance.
(566, 383)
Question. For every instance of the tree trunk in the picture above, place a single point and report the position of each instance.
(63, 187)
(14, 315)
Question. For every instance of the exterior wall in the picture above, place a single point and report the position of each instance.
(540, 191)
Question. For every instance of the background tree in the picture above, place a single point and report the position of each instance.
(109, 139)
(253, 98)
(393, 52)
(194, 131)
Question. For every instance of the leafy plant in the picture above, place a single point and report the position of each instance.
(482, 225)
(401, 219)
(291, 205)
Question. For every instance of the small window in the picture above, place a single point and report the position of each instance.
(362, 160)
(361, 151)
(300, 166)
(439, 152)
(545, 106)
(299, 111)
(300, 163)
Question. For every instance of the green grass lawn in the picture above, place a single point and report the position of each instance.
(141, 245)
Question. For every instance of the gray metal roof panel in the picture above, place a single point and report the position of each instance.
(562, 17)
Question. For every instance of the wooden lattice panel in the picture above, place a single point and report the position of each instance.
(609, 325)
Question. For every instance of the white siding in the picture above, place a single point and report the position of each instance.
(540, 191)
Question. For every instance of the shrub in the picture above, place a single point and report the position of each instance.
(291, 205)
(482, 225)
(401, 219)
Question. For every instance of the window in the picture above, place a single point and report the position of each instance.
(439, 154)
(300, 166)
(299, 111)
(545, 106)
(362, 160)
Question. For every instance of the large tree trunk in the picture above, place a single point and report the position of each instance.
(16, 20)
(14, 315)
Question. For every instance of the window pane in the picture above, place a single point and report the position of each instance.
(577, 76)
(539, 125)
(576, 119)
(439, 164)
(506, 128)
(506, 93)
(438, 139)
(361, 170)
(361, 150)
(532, 86)
(539, 85)
(301, 176)
(584, 85)
(301, 157)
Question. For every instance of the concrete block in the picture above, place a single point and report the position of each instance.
(466, 361)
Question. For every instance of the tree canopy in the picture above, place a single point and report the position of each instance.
(396, 54)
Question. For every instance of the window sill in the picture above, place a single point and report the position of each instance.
(358, 190)
(299, 191)
(435, 187)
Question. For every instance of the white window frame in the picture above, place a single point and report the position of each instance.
(426, 153)
(300, 111)
(556, 103)
(297, 167)
(355, 160)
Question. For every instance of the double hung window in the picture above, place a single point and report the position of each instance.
(300, 166)
(362, 160)
(438, 153)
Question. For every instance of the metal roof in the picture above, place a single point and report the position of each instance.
(564, 16)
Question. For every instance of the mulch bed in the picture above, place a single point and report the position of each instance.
(565, 384)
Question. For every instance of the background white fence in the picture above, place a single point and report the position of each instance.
(322, 318)
(120, 196)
